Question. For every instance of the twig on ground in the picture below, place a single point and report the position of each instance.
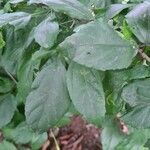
(46, 145)
(56, 143)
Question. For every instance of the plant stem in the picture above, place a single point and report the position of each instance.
(11, 76)
(66, 22)
(144, 55)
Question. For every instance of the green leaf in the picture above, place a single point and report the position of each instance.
(2, 42)
(135, 141)
(115, 9)
(7, 109)
(98, 46)
(5, 145)
(46, 33)
(17, 19)
(138, 96)
(127, 33)
(96, 4)
(42, 53)
(22, 134)
(48, 101)
(111, 136)
(16, 44)
(137, 92)
(26, 70)
(90, 3)
(16, 1)
(117, 79)
(138, 20)
(6, 85)
(73, 8)
(85, 88)
(38, 140)
(136, 1)
(139, 116)
(113, 139)
(25, 75)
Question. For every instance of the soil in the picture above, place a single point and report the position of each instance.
(78, 135)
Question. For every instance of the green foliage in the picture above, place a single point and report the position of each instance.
(20, 135)
(66, 57)
(135, 141)
(17, 19)
(137, 95)
(139, 22)
(5, 145)
(45, 107)
(103, 49)
(73, 8)
(6, 85)
(115, 9)
(2, 43)
(85, 87)
(111, 136)
(7, 108)
(46, 33)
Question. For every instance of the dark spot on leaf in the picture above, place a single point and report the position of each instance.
(88, 53)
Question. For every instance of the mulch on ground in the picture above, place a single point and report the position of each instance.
(78, 135)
